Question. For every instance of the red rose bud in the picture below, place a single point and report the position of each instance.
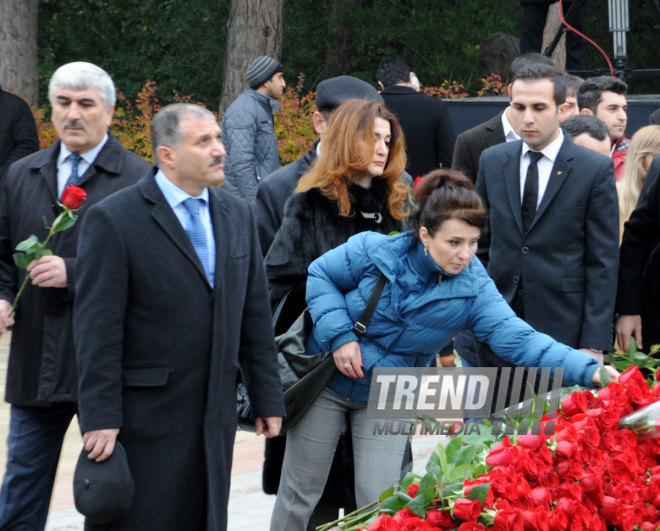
(467, 510)
(384, 523)
(530, 441)
(540, 497)
(573, 404)
(565, 449)
(412, 489)
(73, 196)
(438, 518)
(609, 507)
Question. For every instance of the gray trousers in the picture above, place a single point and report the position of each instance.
(310, 447)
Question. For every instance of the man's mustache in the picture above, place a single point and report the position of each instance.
(74, 123)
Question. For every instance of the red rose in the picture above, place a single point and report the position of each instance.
(574, 403)
(472, 526)
(529, 441)
(507, 517)
(414, 524)
(540, 497)
(402, 515)
(558, 520)
(412, 489)
(438, 518)
(73, 196)
(467, 510)
(384, 523)
(609, 508)
(565, 449)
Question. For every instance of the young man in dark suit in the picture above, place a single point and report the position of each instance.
(173, 302)
(553, 242)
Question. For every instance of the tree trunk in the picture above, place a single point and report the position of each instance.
(552, 23)
(19, 63)
(255, 28)
(340, 45)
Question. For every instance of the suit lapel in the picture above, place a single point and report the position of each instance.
(219, 220)
(558, 176)
(46, 165)
(512, 182)
(165, 217)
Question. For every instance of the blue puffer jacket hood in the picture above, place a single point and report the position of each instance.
(420, 310)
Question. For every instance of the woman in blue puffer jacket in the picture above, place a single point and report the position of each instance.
(435, 288)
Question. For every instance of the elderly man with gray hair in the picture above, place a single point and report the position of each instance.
(41, 374)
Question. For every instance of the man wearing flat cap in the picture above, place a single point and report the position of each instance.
(278, 186)
(248, 130)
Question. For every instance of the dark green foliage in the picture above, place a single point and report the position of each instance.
(180, 44)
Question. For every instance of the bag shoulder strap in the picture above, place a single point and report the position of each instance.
(360, 327)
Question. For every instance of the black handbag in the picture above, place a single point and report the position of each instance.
(303, 376)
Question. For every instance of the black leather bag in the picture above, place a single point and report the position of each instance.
(303, 376)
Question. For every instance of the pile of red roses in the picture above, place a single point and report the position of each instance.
(588, 475)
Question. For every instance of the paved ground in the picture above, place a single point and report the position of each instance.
(249, 507)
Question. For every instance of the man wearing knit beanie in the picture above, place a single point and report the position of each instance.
(248, 131)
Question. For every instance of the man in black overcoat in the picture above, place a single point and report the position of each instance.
(639, 270)
(173, 303)
(18, 131)
(425, 121)
(41, 373)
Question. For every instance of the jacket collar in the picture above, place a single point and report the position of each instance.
(399, 89)
(263, 99)
(403, 250)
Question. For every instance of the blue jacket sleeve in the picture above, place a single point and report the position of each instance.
(511, 338)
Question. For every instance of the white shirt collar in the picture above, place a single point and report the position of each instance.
(509, 134)
(89, 156)
(551, 150)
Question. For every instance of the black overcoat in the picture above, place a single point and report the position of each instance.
(159, 350)
(639, 272)
(427, 127)
(41, 368)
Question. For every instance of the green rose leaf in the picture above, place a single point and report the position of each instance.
(418, 505)
(29, 245)
(65, 222)
(604, 377)
(21, 260)
(479, 492)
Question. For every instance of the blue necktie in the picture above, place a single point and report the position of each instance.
(74, 177)
(197, 234)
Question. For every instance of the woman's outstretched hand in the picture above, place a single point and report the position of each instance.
(348, 359)
(614, 375)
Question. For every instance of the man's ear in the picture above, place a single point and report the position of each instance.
(320, 124)
(380, 84)
(587, 111)
(166, 156)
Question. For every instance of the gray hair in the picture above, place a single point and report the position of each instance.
(165, 130)
(81, 75)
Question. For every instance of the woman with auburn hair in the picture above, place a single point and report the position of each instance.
(354, 185)
(644, 145)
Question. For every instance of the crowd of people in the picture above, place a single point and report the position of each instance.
(528, 240)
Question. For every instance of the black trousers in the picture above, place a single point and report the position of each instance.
(531, 38)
